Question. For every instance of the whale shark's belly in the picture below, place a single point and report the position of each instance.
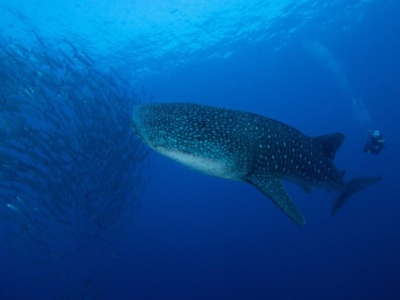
(209, 166)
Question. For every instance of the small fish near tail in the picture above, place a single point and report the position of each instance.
(352, 187)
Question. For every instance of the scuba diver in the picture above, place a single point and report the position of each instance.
(375, 143)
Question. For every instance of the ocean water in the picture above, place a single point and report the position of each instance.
(319, 66)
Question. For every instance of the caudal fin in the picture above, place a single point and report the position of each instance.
(352, 187)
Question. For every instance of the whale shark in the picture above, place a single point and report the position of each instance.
(247, 147)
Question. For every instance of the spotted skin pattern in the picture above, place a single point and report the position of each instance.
(243, 146)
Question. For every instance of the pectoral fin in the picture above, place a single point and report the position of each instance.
(273, 188)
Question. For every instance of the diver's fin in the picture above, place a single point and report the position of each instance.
(352, 187)
(273, 188)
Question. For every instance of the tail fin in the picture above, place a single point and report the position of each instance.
(352, 187)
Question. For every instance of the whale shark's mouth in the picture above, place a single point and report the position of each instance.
(137, 131)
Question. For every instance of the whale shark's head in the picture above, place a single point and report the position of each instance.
(156, 126)
(187, 134)
(140, 123)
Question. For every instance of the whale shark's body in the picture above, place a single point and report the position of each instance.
(247, 147)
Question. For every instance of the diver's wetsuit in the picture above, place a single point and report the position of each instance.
(375, 144)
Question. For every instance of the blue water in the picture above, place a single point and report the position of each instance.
(319, 66)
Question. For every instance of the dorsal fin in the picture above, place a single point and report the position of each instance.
(330, 143)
